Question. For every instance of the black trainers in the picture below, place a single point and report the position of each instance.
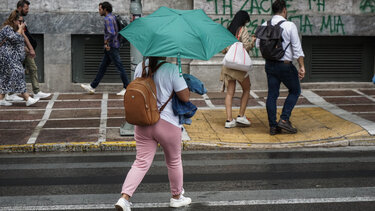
(287, 125)
(274, 130)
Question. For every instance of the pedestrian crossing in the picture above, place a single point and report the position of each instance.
(223, 180)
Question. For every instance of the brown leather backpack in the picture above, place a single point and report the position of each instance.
(140, 100)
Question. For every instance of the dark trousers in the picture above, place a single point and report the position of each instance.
(278, 72)
(112, 55)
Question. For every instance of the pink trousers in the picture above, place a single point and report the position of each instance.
(147, 139)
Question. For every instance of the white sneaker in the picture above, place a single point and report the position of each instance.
(243, 120)
(3, 102)
(182, 201)
(13, 97)
(31, 101)
(123, 205)
(41, 95)
(122, 92)
(88, 88)
(230, 124)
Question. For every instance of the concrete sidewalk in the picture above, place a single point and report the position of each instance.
(83, 122)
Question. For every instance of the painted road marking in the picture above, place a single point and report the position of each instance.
(45, 117)
(206, 204)
(318, 100)
(208, 101)
(103, 119)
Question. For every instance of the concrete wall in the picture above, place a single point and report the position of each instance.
(57, 20)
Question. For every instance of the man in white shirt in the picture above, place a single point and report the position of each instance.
(284, 71)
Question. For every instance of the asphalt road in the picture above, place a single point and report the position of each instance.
(294, 179)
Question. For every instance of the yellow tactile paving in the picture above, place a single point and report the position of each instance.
(314, 125)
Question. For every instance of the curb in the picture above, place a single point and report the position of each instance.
(186, 145)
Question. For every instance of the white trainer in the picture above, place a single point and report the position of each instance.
(13, 97)
(230, 124)
(88, 88)
(122, 92)
(123, 205)
(41, 95)
(242, 120)
(31, 101)
(3, 102)
(182, 201)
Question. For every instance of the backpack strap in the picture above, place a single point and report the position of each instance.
(239, 33)
(278, 24)
(165, 104)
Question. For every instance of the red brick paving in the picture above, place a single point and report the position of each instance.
(370, 117)
(115, 122)
(337, 93)
(81, 113)
(359, 108)
(79, 97)
(116, 112)
(69, 135)
(349, 100)
(78, 104)
(79, 123)
(19, 125)
(8, 137)
(21, 115)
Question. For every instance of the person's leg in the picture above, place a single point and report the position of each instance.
(291, 81)
(146, 148)
(115, 57)
(106, 61)
(169, 137)
(273, 93)
(245, 84)
(32, 69)
(228, 98)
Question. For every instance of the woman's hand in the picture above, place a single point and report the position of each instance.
(21, 28)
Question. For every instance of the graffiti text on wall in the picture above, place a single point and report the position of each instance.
(367, 6)
(329, 23)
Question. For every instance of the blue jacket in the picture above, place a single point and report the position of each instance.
(187, 110)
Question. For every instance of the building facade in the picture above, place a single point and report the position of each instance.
(338, 38)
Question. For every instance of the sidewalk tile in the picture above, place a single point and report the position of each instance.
(74, 113)
(67, 135)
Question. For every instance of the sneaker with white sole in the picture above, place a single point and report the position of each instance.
(3, 102)
(122, 92)
(123, 205)
(31, 101)
(242, 120)
(182, 201)
(41, 95)
(88, 88)
(230, 124)
(13, 97)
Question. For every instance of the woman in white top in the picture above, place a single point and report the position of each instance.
(166, 132)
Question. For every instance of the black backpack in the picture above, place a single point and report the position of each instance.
(121, 24)
(271, 41)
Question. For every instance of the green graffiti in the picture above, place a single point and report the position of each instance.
(304, 22)
(230, 6)
(259, 8)
(320, 4)
(223, 21)
(335, 24)
(367, 5)
(215, 5)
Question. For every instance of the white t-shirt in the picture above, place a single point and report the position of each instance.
(166, 80)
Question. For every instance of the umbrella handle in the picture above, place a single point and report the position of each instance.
(179, 64)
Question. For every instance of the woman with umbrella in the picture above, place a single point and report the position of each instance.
(230, 76)
(166, 132)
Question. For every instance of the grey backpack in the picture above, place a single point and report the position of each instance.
(271, 41)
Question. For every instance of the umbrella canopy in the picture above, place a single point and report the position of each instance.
(167, 32)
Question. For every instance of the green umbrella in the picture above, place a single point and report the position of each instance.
(167, 32)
